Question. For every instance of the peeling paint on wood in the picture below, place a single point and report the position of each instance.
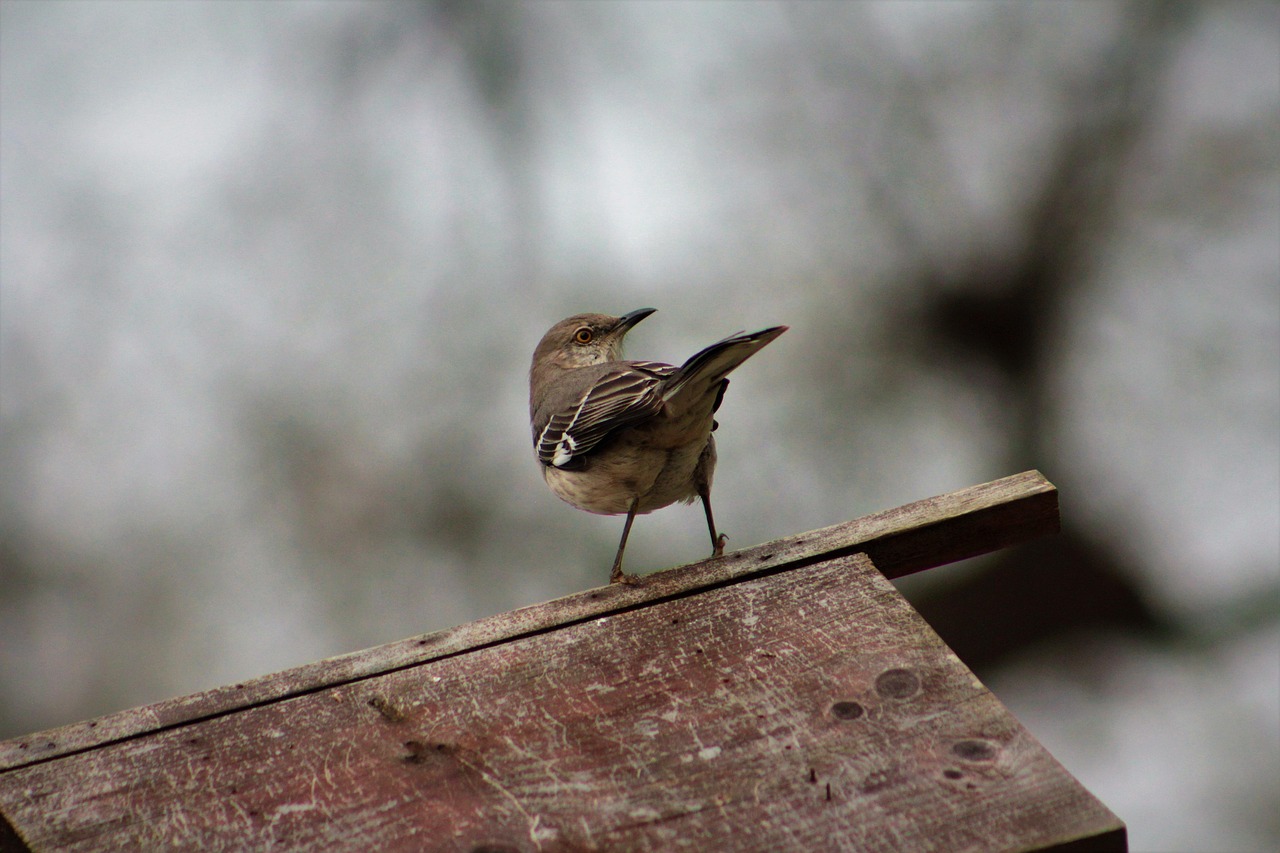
(927, 533)
(804, 706)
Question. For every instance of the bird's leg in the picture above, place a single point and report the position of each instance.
(717, 539)
(617, 575)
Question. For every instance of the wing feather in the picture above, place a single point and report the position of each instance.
(624, 395)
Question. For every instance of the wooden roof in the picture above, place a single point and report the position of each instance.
(777, 698)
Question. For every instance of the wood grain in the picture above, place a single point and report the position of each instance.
(808, 709)
(927, 533)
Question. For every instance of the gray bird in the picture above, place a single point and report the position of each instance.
(617, 436)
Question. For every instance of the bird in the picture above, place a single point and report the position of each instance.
(614, 436)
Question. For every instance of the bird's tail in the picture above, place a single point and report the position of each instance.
(707, 368)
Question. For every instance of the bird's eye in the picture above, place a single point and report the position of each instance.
(583, 335)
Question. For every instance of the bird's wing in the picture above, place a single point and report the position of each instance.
(707, 368)
(621, 394)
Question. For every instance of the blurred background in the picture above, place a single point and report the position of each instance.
(271, 274)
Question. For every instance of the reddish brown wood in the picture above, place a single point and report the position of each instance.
(926, 533)
(808, 709)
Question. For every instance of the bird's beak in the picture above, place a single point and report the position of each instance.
(626, 321)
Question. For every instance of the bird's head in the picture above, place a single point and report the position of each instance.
(586, 339)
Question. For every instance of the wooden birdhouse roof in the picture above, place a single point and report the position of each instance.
(783, 697)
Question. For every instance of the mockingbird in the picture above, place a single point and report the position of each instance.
(619, 436)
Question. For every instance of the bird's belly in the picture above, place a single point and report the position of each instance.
(678, 480)
(609, 484)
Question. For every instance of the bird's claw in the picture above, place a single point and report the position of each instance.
(718, 550)
(619, 576)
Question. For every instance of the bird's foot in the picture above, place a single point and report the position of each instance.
(619, 576)
(718, 550)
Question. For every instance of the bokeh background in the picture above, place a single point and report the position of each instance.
(270, 275)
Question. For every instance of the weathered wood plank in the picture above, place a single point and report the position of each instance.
(910, 538)
(812, 709)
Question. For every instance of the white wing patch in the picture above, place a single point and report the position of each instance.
(564, 452)
(556, 440)
(555, 446)
(615, 401)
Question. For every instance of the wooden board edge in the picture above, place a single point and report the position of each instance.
(919, 535)
(10, 840)
(1113, 840)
